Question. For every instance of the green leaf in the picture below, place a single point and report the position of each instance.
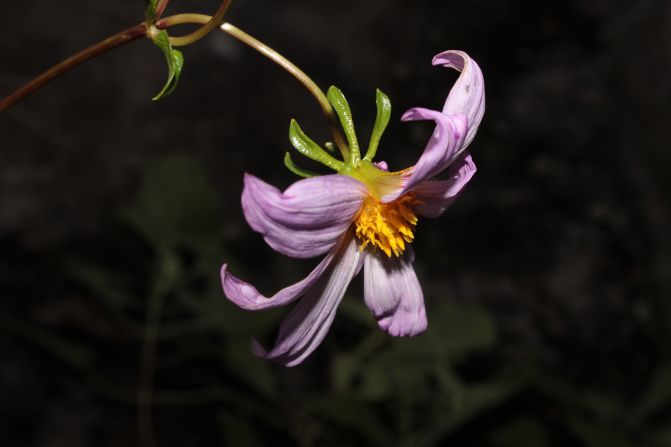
(381, 121)
(339, 103)
(310, 149)
(289, 163)
(150, 10)
(174, 59)
(70, 352)
(177, 206)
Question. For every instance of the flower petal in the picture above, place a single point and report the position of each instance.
(308, 218)
(440, 151)
(393, 293)
(467, 96)
(434, 196)
(248, 297)
(307, 324)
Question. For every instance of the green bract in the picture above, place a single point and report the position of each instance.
(175, 60)
(310, 149)
(150, 11)
(354, 165)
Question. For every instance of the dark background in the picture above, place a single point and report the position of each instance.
(546, 283)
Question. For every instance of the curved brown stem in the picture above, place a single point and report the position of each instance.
(201, 32)
(125, 36)
(160, 7)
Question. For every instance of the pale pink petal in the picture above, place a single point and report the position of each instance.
(467, 96)
(435, 196)
(308, 218)
(247, 297)
(307, 324)
(393, 293)
(440, 151)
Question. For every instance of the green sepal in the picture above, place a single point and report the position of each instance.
(341, 107)
(309, 148)
(150, 11)
(289, 163)
(175, 60)
(381, 120)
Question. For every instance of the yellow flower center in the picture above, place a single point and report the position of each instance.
(387, 226)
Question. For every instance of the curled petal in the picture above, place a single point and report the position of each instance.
(307, 324)
(467, 96)
(247, 297)
(308, 218)
(439, 153)
(435, 196)
(392, 292)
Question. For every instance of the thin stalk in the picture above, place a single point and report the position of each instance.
(145, 395)
(280, 60)
(160, 7)
(125, 36)
(201, 32)
(297, 73)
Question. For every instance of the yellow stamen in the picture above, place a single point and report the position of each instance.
(387, 226)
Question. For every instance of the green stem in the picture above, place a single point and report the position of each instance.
(300, 76)
(276, 57)
(145, 395)
(125, 36)
(201, 32)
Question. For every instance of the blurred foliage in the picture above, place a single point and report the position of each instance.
(450, 386)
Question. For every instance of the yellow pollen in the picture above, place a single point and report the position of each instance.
(387, 226)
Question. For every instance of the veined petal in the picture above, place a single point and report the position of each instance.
(308, 218)
(248, 297)
(440, 151)
(467, 96)
(307, 324)
(393, 293)
(434, 196)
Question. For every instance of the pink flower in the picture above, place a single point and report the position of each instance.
(363, 216)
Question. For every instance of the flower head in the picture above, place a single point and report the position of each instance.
(362, 217)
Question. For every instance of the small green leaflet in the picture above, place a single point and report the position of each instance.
(175, 60)
(150, 11)
(381, 121)
(289, 163)
(303, 144)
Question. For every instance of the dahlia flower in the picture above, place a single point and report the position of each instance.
(363, 216)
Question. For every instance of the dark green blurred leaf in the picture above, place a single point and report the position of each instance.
(593, 434)
(72, 353)
(347, 413)
(663, 436)
(103, 282)
(468, 403)
(255, 372)
(656, 397)
(177, 205)
(460, 329)
(238, 431)
(520, 431)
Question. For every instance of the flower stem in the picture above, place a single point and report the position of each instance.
(276, 57)
(201, 32)
(125, 36)
(300, 76)
(209, 22)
